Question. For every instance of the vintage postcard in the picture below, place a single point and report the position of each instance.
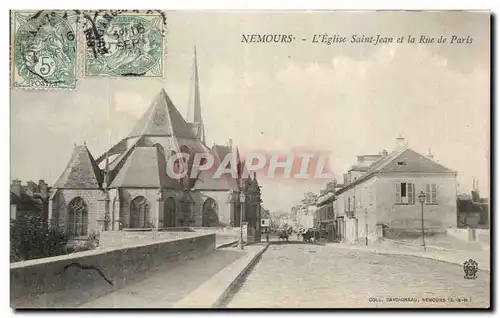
(250, 159)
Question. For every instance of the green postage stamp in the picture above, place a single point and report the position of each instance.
(52, 49)
(44, 49)
(124, 43)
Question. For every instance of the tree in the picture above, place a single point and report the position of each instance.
(31, 238)
(310, 198)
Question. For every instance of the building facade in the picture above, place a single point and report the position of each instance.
(31, 197)
(381, 196)
(129, 186)
(265, 221)
(325, 216)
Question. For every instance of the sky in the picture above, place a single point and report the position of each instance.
(343, 99)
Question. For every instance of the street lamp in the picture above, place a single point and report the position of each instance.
(421, 199)
(242, 201)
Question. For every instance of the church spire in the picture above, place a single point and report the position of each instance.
(194, 107)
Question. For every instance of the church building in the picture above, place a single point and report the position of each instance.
(128, 186)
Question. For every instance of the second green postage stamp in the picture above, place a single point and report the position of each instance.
(124, 43)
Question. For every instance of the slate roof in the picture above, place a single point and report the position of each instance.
(81, 172)
(264, 214)
(325, 199)
(144, 168)
(225, 182)
(413, 162)
(359, 168)
(162, 119)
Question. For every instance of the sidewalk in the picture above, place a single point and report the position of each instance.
(219, 289)
(453, 256)
(164, 288)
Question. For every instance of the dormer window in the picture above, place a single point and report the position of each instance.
(401, 163)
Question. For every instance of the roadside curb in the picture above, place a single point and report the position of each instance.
(428, 257)
(395, 253)
(233, 287)
(218, 290)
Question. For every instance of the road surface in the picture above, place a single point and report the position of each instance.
(313, 276)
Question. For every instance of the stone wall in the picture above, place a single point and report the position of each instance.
(74, 279)
(109, 239)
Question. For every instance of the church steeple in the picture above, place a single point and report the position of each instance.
(194, 107)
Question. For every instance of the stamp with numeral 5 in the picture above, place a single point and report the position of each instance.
(43, 50)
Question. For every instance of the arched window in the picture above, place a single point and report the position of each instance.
(210, 216)
(139, 213)
(169, 213)
(77, 217)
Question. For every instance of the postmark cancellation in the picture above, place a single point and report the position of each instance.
(43, 49)
(124, 44)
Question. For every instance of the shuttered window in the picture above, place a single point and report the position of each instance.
(431, 193)
(405, 193)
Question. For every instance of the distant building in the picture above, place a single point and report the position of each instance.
(380, 195)
(32, 197)
(265, 220)
(472, 210)
(306, 217)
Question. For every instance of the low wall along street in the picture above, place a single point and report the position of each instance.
(108, 239)
(479, 235)
(75, 279)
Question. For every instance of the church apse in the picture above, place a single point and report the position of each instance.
(145, 195)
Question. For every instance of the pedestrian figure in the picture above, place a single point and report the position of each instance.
(267, 237)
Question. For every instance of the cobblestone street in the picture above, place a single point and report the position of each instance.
(316, 276)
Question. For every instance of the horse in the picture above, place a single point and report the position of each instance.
(283, 235)
(307, 236)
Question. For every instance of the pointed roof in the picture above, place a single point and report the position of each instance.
(264, 214)
(194, 109)
(206, 180)
(81, 172)
(144, 168)
(162, 119)
(411, 161)
(404, 160)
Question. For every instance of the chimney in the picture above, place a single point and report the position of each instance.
(400, 143)
(42, 188)
(15, 187)
(383, 153)
(430, 154)
(230, 143)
